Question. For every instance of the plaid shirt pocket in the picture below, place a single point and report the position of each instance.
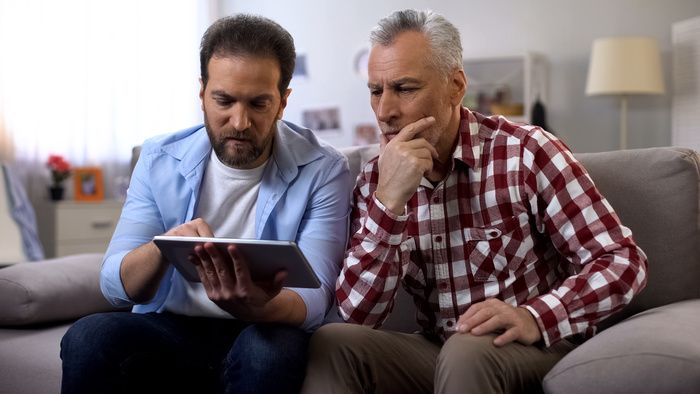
(496, 251)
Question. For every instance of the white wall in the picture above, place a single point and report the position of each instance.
(331, 32)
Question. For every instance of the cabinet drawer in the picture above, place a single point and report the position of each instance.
(76, 247)
(86, 222)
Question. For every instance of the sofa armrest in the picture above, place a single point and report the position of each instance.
(51, 290)
(655, 351)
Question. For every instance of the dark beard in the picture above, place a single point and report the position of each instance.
(242, 156)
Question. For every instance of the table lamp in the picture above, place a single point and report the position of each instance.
(624, 66)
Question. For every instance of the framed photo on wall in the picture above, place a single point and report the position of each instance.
(88, 184)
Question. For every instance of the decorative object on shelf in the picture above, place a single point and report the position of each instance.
(88, 184)
(60, 171)
(538, 116)
(506, 85)
(624, 66)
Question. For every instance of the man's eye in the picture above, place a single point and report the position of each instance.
(223, 102)
(406, 89)
(375, 92)
(260, 104)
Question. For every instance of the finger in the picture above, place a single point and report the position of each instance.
(222, 265)
(208, 271)
(476, 322)
(473, 309)
(494, 324)
(382, 141)
(240, 267)
(410, 130)
(464, 324)
(278, 281)
(507, 337)
(202, 228)
(423, 144)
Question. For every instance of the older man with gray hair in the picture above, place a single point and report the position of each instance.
(511, 254)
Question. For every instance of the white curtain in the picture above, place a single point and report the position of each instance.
(89, 79)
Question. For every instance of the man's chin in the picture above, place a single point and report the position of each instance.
(237, 158)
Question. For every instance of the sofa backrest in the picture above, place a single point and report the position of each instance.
(655, 192)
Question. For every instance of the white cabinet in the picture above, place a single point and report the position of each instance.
(685, 117)
(507, 86)
(70, 227)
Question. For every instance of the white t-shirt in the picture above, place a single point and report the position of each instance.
(227, 202)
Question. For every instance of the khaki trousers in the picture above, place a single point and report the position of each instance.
(348, 358)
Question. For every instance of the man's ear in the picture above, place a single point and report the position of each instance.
(283, 103)
(458, 86)
(201, 93)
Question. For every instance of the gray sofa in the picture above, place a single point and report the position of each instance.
(651, 346)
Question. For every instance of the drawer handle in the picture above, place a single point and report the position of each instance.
(101, 225)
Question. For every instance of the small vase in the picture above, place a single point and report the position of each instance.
(56, 193)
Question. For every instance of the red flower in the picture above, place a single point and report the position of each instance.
(60, 169)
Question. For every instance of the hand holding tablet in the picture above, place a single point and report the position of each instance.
(264, 258)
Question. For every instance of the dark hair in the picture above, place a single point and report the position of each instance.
(248, 35)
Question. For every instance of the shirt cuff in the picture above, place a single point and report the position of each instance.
(386, 226)
(551, 316)
(315, 307)
(111, 280)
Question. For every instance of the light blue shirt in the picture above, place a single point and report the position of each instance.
(304, 196)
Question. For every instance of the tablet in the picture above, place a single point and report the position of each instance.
(264, 257)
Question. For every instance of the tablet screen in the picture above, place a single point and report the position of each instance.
(264, 258)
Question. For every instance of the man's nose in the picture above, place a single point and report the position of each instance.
(239, 117)
(387, 108)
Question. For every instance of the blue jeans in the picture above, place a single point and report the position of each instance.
(163, 352)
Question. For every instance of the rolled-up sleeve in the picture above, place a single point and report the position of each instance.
(322, 237)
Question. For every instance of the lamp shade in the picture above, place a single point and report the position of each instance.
(625, 65)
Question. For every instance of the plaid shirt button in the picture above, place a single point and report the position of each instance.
(449, 323)
(438, 238)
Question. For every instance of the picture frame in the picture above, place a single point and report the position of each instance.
(88, 184)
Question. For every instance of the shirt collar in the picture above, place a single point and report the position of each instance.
(468, 149)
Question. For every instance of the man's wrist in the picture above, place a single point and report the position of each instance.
(395, 208)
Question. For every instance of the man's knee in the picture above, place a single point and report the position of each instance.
(466, 350)
(466, 360)
(91, 333)
(263, 344)
(339, 339)
(267, 358)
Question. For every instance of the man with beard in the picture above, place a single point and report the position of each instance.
(245, 174)
(510, 252)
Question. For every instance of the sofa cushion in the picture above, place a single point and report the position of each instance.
(51, 290)
(30, 359)
(630, 358)
(655, 193)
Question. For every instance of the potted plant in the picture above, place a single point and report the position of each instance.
(60, 171)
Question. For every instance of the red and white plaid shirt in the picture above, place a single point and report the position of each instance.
(517, 218)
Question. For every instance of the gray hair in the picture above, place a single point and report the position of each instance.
(443, 36)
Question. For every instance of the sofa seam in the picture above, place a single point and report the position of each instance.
(690, 361)
(24, 305)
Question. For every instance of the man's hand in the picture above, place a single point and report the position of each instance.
(493, 315)
(226, 279)
(194, 228)
(402, 163)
